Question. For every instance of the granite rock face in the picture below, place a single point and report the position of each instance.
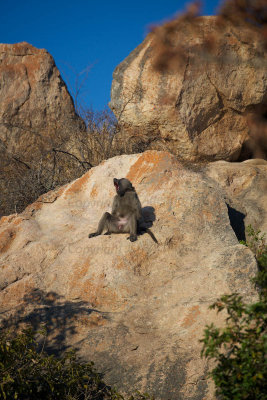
(245, 187)
(37, 118)
(198, 111)
(36, 109)
(137, 309)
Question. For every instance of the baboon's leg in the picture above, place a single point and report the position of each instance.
(133, 229)
(103, 224)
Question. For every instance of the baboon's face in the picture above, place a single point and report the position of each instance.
(122, 185)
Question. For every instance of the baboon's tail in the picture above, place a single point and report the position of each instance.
(151, 234)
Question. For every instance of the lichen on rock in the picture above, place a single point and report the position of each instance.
(137, 309)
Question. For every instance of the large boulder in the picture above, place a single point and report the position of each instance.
(137, 309)
(36, 109)
(38, 123)
(198, 111)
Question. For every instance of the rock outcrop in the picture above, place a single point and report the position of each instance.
(245, 187)
(38, 123)
(137, 309)
(199, 111)
(36, 109)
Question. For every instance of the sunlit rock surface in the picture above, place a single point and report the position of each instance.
(137, 309)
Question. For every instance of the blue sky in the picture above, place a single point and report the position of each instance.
(94, 35)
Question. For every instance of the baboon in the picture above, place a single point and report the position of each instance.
(126, 214)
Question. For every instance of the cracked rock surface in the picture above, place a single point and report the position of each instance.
(137, 309)
(199, 111)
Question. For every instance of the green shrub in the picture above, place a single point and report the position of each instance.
(26, 373)
(239, 349)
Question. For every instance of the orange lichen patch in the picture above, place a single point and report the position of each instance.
(15, 293)
(98, 294)
(94, 320)
(148, 162)
(78, 185)
(134, 260)
(94, 192)
(6, 239)
(78, 273)
(22, 49)
(120, 263)
(190, 319)
(7, 218)
(3, 266)
(12, 70)
(17, 221)
(207, 215)
(33, 64)
(37, 206)
(93, 290)
(51, 196)
(33, 207)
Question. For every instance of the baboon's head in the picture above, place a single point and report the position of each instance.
(122, 185)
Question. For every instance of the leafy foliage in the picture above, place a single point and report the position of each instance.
(26, 373)
(239, 349)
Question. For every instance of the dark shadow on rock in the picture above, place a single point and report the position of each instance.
(52, 312)
(148, 214)
(237, 222)
(148, 217)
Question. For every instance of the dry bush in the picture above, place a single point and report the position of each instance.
(57, 156)
(98, 142)
(22, 183)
